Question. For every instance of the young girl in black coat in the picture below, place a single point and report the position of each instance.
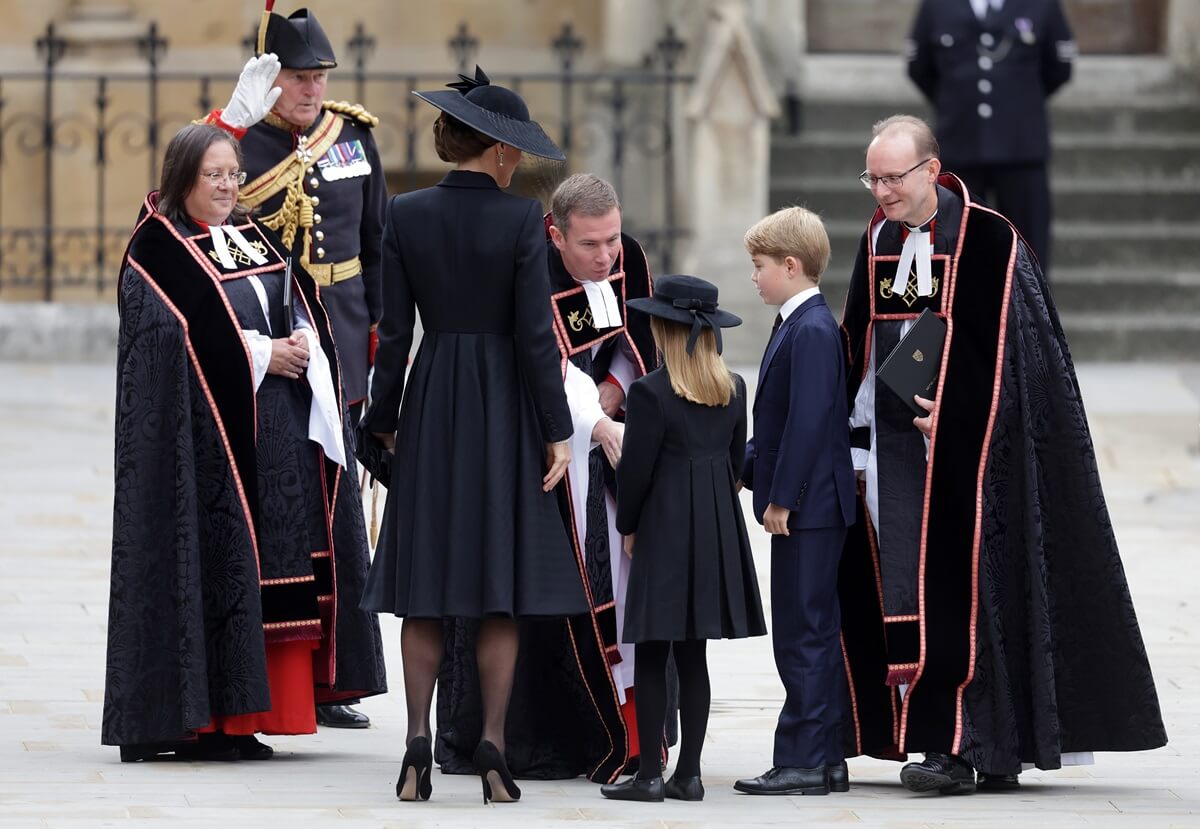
(693, 576)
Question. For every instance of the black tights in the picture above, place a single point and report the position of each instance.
(650, 687)
(495, 653)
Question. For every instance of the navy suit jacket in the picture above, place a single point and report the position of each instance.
(799, 457)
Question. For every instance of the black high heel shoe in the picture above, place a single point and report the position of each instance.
(415, 771)
(498, 783)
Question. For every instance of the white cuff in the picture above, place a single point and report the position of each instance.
(260, 354)
(622, 370)
(583, 400)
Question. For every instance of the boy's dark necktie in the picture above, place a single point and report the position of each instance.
(767, 349)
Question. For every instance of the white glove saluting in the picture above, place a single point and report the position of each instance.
(254, 94)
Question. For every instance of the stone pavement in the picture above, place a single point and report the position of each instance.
(55, 496)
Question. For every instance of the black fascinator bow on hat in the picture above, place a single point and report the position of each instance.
(466, 84)
(495, 111)
(691, 301)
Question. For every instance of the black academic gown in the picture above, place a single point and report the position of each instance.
(1024, 635)
(199, 466)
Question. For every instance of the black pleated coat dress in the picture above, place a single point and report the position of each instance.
(467, 531)
(693, 573)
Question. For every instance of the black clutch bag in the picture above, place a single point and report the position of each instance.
(373, 455)
(912, 367)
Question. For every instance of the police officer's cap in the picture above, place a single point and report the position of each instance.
(299, 41)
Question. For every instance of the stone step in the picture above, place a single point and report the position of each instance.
(1137, 290)
(1162, 115)
(1100, 199)
(1127, 158)
(1158, 335)
(1169, 246)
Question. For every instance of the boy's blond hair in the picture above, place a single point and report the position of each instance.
(702, 376)
(792, 231)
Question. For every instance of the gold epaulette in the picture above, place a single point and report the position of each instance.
(355, 111)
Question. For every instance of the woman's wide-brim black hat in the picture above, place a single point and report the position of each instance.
(689, 300)
(496, 112)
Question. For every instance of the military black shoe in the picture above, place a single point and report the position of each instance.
(941, 773)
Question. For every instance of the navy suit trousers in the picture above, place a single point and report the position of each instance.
(806, 634)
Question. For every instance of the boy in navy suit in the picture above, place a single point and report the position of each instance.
(798, 466)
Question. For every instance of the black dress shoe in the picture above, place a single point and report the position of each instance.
(684, 788)
(646, 791)
(250, 748)
(986, 782)
(786, 780)
(839, 777)
(341, 716)
(147, 752)
(941, 773)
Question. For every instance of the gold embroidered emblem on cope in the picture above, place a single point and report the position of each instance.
(577, 320)
(910, 294)
(918, 356)
(240, 257)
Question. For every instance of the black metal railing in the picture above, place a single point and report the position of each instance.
(71, 144)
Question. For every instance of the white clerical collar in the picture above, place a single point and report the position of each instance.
(606, 311)
(221, 246)
(918, 250)
(795, 302)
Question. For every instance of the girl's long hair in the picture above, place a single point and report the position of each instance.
(702, 376)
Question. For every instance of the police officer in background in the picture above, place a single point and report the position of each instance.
(987, 67)
(315, 178)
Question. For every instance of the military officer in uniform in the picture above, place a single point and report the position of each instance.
(315, 177)
(987, 67)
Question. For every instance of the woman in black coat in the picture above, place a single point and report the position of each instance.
(471, 528)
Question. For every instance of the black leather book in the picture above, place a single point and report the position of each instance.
(912, 367)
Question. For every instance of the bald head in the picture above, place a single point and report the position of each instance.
(902, 169)
(924, 142)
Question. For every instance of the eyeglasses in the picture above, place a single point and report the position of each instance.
(215, 177)
(892, 182)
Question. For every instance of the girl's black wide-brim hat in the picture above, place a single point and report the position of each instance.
(496, 112)
(689, 300)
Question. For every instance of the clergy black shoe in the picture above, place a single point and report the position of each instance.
(147, 752)
(249, 748)
(684, 788)
(211, 747)
(784, 780)
(646, 791)
(341, 716)
(839, 777)
(986, 782)
(941, 773)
